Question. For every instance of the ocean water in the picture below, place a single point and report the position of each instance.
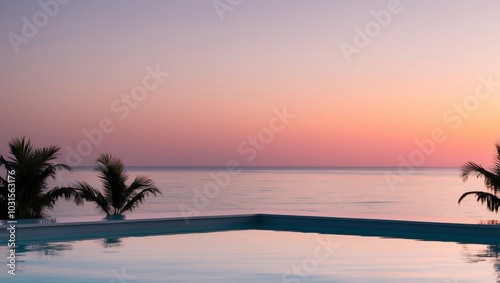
(428, 194)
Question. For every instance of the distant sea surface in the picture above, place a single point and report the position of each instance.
(428, 194)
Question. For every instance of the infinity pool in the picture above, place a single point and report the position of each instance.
(254, 256)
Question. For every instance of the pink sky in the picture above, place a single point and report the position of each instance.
(226, 77)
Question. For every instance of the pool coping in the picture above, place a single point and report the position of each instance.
(418, 230)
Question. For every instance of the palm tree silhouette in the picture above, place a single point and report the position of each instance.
(491, 182)
(32, 166)
(118, 197)
(490, 252)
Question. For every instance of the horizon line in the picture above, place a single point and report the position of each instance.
(278, 166)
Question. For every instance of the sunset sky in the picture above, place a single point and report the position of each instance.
(361, 81)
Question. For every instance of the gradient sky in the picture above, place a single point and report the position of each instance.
(226, 77)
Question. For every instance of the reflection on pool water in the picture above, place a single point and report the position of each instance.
(254, 256)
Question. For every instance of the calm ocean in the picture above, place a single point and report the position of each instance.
(426, 194)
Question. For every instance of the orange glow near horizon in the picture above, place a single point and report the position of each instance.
(226, 77)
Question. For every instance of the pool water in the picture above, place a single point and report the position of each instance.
(254, 256)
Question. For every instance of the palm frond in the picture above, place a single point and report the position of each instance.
(89, 193)
(49, 198)
(139, 183)
(491, 180)
(113, 177)
(116, 198)
(4, 193)
(496, 160)
(33, 166)
(491, 200)
(5, 163)
(135, 201)
(50, 171)
(21, 150)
